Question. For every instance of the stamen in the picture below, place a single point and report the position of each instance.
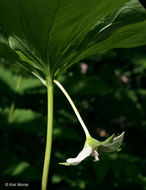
(95, 155)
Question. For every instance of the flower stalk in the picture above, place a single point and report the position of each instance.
(74, 108)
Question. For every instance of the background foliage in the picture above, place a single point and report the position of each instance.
(110, 91)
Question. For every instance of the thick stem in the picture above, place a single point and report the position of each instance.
(49, 137)
(74, 108)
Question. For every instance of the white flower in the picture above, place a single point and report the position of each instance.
(90, 148)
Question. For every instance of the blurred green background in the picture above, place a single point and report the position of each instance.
(109, 90)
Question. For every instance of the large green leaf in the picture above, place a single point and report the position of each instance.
(11, 80)
(124, 28)
(52, 35)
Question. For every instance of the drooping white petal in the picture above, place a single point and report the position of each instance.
(81, 156)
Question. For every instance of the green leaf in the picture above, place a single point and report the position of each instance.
(45, 31)
(11, 80)
(57, 33)
(112, 146)
(124, 28)
(19, 168)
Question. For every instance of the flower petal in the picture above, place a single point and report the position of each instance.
(81, 156)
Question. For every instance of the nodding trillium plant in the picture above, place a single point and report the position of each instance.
(47, 38)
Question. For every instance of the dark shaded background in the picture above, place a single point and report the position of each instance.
(110, 92)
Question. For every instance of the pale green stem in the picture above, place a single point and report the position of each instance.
(74, 108)
(49, 137)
